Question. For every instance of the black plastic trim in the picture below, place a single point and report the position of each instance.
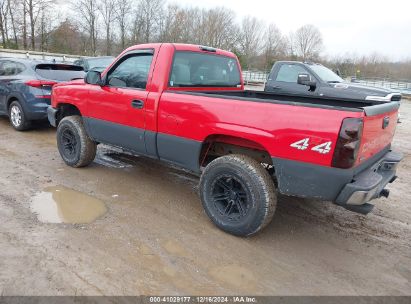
(180, 151)
(286, 99)
(308, 180)
(381, 108)
(52, 116)
(118, 135)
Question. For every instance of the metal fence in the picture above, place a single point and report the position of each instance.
(255, 77)
(403, 86)
(38, 55)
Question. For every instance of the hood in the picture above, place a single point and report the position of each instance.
(351, 90)
(362, 89)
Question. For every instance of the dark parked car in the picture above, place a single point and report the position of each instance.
(95, 63)
(313, 79)
(25, 88)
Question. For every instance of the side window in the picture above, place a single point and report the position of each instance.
(194, 69)
(20, 67)
(1, 68)
(289, 73)
(132, 72)
(10, 68)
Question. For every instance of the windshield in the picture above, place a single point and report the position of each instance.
(192, 69)
(59, 72)
(100, 63)
(326, 74)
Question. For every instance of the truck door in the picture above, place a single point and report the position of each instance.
(116, 110)
(284, 80)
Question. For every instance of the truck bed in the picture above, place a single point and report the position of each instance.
(315, 101)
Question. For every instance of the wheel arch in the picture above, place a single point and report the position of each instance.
(66, 109)
(216, 145)
(11, 98)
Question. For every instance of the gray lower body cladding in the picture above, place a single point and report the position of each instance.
(52, 116)
(177, 150)
(343, 186)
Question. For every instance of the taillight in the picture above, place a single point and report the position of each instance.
(40, 83)
(348, 143)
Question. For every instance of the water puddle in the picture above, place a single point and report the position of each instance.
(5, 152)
(175, 249)
(112, 157)
(63, 205)
(234, 275)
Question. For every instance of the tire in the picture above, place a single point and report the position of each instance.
(75, 146)
(238, 194)
(18, 118)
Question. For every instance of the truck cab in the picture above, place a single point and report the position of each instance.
(314, 79)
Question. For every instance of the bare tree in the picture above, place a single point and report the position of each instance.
(12, 5)
(45, 25)
(218, 28)
(33, 9)
(107, 10)
(149, 17)
(274, 44)
(251, 38)
(89, 18)
(122, 13)
(308, 42)
(3, 17)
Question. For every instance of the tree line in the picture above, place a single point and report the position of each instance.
(106, 27)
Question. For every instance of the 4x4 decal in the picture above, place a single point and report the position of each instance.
(304, 144)
(301, 144)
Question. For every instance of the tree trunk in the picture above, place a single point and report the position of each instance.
(123, 36)
(32, 25)
(108, 45)
(3, 37)
(13, 25)
(24, 25)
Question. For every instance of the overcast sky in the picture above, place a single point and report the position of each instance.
(348, 26)
(358, 27)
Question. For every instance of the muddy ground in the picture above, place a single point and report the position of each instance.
(153, 238)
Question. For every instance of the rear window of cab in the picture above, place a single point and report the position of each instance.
(193, 69)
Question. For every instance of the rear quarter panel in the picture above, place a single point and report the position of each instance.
(274, 126)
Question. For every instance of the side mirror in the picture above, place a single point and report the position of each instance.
(305, 79)
(93, 77)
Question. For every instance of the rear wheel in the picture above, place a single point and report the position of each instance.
(17, 117)
(75, 146)
(238, 194)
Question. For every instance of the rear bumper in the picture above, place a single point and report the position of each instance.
(52, 116)
(370, 183)
(36, 109)
(350, 188)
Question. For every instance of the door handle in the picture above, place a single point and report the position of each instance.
(138, 104)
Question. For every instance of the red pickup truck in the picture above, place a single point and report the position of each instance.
(186, 104)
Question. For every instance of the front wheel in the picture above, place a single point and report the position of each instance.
(238, 194)
(75, 146)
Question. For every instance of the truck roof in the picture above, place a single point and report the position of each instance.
(184, 47)
(302, 62)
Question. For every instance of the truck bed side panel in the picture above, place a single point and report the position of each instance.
(275, 126)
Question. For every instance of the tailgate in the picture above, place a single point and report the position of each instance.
(380, 122)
